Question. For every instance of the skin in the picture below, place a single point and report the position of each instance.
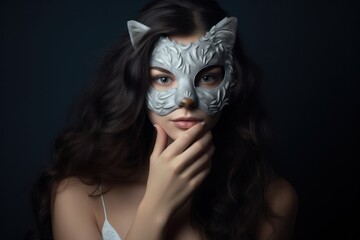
(153, 203)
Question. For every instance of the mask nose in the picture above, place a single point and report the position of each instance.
(188, 103)
(186, 95)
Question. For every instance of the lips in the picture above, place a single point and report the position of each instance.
(185, 123)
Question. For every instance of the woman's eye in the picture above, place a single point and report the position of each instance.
(209, 80)
(163, 80)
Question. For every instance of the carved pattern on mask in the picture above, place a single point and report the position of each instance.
(185, 61)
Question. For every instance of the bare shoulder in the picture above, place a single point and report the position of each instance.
(72, 191)
(282, 198)
(75, 185)
(72, 211)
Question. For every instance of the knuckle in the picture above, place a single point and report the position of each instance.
(175, 168)
(187, 136)
(165, 155)
(208, 155)
(193, 184)
(184, 178)
(153, 158)
(209, 135)
(199, 145)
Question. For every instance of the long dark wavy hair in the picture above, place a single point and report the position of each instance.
(110, 131)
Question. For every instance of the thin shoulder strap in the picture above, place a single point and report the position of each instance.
(103, 202)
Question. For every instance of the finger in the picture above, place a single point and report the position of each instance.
(198, 147)
(192, 153)
(160, 142)
(198, 179)
(200, 164)
(186, 139)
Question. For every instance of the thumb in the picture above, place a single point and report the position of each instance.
(160, 142)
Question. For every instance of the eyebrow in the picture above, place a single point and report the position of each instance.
(212, 68)
(161, 70)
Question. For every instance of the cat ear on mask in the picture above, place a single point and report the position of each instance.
(225, 31)
(136, 31)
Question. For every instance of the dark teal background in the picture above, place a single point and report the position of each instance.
(308, 52)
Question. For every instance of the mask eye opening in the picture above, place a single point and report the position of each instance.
(210, 77)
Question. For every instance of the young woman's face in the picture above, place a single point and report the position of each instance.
(177, 121)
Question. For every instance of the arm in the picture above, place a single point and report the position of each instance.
(282, 199)
(175, 172)
(72, 217)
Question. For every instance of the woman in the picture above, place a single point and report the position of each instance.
(169, 142)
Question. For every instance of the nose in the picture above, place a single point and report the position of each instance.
(188, 103)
